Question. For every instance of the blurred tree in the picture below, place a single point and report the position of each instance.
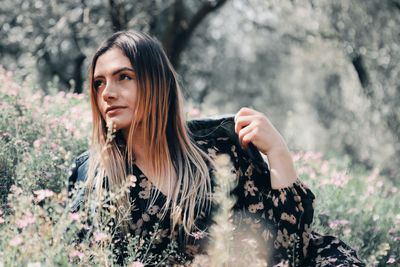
(59, 44)
(321, 68)
(328, 67)
(370, 35)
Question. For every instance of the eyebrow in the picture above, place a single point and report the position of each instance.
(123, 69)
(118, 71)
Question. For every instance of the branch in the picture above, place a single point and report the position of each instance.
(207, 7)
(186, 28)
(11, 49)
(358, 63)
(396, 4)
(117, 15)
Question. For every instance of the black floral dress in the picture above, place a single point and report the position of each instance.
(280, 220)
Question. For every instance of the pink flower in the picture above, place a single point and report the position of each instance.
(61, 94)
(16, 190)
(16, 241)
(100, 236)
(1, 220)
(76, 254)
(137, 264)
(26, 220)
(339, 179)
(198, 235)
(74, 216)
(37, 143)
(194, 113)
(391, 260)
(296, 156)
(42, 194)
(336, 223)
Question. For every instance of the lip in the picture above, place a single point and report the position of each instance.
(113, 109)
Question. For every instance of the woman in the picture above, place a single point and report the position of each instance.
(134, 91)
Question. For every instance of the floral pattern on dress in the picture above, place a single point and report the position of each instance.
(280, 218)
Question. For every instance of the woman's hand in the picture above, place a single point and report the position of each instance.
(253, 126)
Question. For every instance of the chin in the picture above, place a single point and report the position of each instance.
(118, 124)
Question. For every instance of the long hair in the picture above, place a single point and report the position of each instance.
(172, 155)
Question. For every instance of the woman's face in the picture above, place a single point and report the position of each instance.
(115, 82)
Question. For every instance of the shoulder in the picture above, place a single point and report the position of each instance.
(219, 133)
(212, 134)
(82, 158)
(217, 136)
(211, 126)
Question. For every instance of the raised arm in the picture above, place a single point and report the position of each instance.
(253, 126)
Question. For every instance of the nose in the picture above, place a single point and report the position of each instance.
(109, 92)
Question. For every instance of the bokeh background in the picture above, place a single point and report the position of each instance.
(326, 73)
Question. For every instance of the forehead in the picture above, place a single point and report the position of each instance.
(111, 61)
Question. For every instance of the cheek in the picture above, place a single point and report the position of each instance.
(131, 98)
(101, 107)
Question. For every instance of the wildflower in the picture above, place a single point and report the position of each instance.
(37, 143)
(16, 190)
(339, 179)
(61, 94)
(76, 254)
(201, 260)
(391, 260)
(1, 220)
(131, 180)
(336, 223)
(296, 157)
(33, 264)
(74, 216)
(42, 194)
(393, 190)
(137, 264)
(100, 236)
(26, 220)
(194, 113)
(198, 235)
(16, 241)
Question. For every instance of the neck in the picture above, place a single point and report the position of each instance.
(139, 150)
(138, 146)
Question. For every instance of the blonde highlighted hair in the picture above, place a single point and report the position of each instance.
(173, 156)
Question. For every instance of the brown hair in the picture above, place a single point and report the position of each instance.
(172, 154)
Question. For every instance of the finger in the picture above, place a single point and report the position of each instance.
(242, 121)
(244, 135)
(248, 138)
(244, 112)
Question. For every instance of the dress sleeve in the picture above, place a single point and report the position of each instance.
(282, 217)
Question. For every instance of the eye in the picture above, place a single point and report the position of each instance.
(124, 76)
(97, 84)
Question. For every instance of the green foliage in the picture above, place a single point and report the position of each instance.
(39, 136)
(358, 206)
